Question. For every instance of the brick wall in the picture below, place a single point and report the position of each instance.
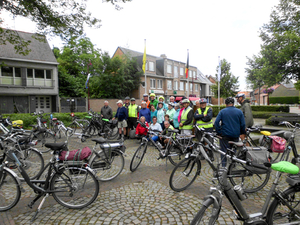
(97, 104)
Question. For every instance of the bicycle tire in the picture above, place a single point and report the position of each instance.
(280, 212)
(239, 175)
(84, 191)
(138, 157)
(183, 176)
(175, 156)
(73, 126)
(106, 171)
(10, 191)
(91, 130)
(33, 163)
(204, 216)
(113, 133)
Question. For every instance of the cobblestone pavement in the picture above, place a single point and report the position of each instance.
(142, 197)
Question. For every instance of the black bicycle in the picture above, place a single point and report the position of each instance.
(71, 183)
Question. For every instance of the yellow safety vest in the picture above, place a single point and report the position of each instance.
(132, 110)
(172, 128)
(184, 118)
(204, 124)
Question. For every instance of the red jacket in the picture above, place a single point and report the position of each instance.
(141, 130)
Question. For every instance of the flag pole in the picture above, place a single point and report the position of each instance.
(187, 75)
(219, 78)
(144, 66)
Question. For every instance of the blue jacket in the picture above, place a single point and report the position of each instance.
(146, 113)
(230, 122)
(122, 114)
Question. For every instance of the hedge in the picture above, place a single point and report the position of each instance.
(256, 108)
(284, 100)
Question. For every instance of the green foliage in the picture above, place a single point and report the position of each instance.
(278, 59)
(228, 82)
(284, 100)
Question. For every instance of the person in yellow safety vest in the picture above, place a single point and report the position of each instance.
(187, 117)
(164, 141)
(203, 117)
(133, 110)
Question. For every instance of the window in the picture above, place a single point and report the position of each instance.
(30, 73)
(39, 73)
(181, 86)
(151, 66)
(191, 87)
(176, 85)
(159, 84)
(175, 71)
(169, 68)
(181, 71)
(17, 72)
(190, 73)
(196, 87)
(48, 74)
(169, 85)
(7, 71)
(194, 74)
(152, 83)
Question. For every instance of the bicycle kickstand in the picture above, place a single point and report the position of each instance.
(39, 208)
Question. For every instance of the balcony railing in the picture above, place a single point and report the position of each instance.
(30, 82)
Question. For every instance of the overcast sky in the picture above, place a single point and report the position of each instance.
(209, 29)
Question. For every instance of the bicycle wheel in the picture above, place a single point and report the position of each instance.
(91, 130)
(183, 176)
(279, 213)
(32, 161)
(9, 191)
(138, 157)
(112, 133)
(204, 215)
(238, 174)
(266, 142)
(73, 126)
(107, 169)
(175, 156)
(74, 187)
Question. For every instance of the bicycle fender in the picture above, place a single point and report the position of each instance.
(215, 200)
(14, 175)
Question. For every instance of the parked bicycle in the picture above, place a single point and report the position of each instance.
(78, 124)
(62, 130)
(71, 183)
(284, 209)
(250, 179)
(178, 145)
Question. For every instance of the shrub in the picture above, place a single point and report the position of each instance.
(284, 100)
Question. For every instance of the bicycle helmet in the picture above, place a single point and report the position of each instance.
(145, 95)
(161, 97)
(240, 95)
(152, 94)
(202, 100)
(185, 101)
(127, 98)
(229, 100)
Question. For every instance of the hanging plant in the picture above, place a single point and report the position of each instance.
(268, 91)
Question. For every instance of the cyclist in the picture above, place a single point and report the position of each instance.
(133, 110)
(141, 131)
(171, 111)
(186, 120)
(121, 116)
(106, 111)
(229, 124)
(153, 101)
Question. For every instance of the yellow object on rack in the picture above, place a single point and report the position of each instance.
(266, 133)
(17, 123)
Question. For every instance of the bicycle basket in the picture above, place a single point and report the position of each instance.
(278, 144)
(258, 155)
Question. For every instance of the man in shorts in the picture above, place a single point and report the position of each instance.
(122, 116)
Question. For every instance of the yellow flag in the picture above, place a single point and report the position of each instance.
(144, 58)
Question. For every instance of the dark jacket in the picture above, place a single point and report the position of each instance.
(230, 122)
(247, 111)
(122, 114)
(107, 113)
(146, 113)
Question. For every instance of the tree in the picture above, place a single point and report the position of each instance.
(228, 82)
(278, 60)
(63, 18)
(111, 78)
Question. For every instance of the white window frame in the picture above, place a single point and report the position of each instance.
(181, 86)
(169, 68)
(11, 80)
(151, 66)
(181, 71)
(190, 73)
(159, 84)
(152, 84)
(196, 87)
(175, 85)
(191, 86)
(169, 84)
(176, 71)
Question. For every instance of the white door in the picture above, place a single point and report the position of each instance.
(43, 103)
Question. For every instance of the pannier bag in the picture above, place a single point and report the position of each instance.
(258, 155)
(278, 144)
(75, 155)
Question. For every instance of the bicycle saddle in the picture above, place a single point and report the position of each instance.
(55, 146)
(103, 140)
(239, 144)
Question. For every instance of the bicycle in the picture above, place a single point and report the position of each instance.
(176, 148)
(183, 176)
(71, 183)
(78, 123)
(62, 130)
(280, 210)
(31, 159)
